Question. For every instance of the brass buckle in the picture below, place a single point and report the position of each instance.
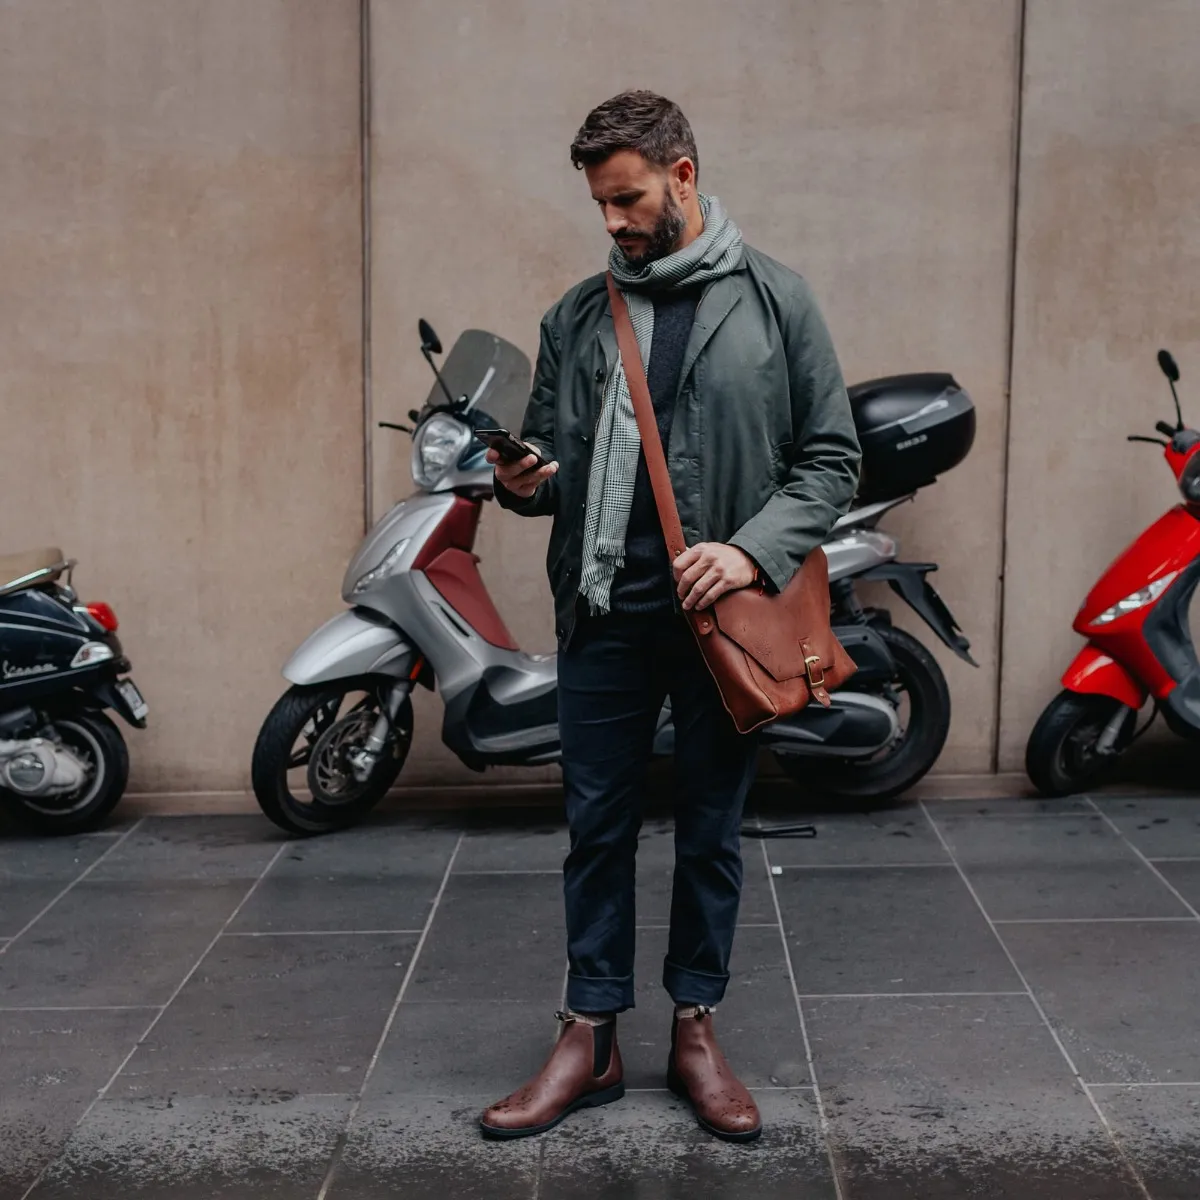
(817, 679)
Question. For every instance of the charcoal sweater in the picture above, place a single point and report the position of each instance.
(645, 582)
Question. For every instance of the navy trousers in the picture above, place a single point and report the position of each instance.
(612, 679)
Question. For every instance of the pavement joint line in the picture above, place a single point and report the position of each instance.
(1183, 1083)
(1010, 816)
(1185, 858)
(158, 1016)
(238, 933)
(120, 841)
(1134, 1173)
(740, 925)
(79, 1008)
(340, 1145)
(1158, 874)
(515, 871)
(879, 866)
(903, 995)
(798, 1087)
(1088, 920)
(822, 1118)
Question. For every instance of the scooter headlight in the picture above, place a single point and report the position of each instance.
(1189, 480)
(436, 448)
(375, 574)
(1135, 600)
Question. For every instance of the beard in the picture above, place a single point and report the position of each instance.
(660, 241)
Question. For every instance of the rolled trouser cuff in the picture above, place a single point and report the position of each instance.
(685, 986)
(611, 995)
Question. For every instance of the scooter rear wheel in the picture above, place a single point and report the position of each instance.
(93, 738)
(305, 740)
(1061, 755)
(922, 698)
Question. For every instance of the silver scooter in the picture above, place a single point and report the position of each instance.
(420, 615)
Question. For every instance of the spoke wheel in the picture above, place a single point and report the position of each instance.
(98, 744)
(303, 771)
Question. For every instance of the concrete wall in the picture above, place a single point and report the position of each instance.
(181, 323)
(1108, 270)
(180, 337)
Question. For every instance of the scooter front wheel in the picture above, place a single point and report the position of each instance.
(1065, 752)
(301, 772)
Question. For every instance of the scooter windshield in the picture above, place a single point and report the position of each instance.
(493, 376)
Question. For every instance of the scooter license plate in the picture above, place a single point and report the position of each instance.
(129, 693)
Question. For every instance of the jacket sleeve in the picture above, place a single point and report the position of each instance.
(823, 470)
(537, 427)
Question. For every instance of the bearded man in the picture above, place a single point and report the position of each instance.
(763, 459)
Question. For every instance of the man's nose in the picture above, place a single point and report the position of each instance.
(614, 221)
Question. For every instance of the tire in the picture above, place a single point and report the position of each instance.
(99, 742)
(314, 713)
(899, 766)
(1060, 756)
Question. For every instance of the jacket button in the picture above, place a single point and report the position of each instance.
(584, 438)
(599, 374)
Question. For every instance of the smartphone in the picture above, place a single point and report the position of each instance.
(510, 448)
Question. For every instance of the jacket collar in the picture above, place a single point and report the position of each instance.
(718, 301)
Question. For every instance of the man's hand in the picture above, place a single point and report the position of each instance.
(708, 570)
(520, 477)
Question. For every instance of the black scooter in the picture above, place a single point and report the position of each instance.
(63, 762)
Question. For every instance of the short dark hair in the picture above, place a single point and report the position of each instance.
(637, 120)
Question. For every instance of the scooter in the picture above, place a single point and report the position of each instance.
(421, 615)
(1139, 646)
(63, 762)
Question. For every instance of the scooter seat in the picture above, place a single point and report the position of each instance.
(30, 567)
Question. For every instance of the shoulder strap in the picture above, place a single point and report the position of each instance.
(643, 408)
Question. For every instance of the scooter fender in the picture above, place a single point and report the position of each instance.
(1094, 673)
(350, 645)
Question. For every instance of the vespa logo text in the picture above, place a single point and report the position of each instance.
(913, 441)
(11, 672)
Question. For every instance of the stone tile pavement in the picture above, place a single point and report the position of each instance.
(957, 999)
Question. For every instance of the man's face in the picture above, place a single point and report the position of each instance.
(640, 203)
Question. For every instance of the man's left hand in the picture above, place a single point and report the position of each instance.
(706, 571)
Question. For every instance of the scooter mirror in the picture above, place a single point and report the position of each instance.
(1168, 365)
(430, 340)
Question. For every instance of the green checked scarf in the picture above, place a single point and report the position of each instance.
(715, 253)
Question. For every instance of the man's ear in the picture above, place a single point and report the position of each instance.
(683, 171)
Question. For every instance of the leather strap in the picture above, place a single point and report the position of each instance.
(643, 409)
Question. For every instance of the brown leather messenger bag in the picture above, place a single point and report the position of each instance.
(770, 653)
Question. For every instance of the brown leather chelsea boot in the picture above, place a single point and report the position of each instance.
(698, 1073)
(583, 1071)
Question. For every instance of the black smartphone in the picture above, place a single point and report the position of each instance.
(510, 448)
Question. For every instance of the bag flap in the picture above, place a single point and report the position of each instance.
(772, 628)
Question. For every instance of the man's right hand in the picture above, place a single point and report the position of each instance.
(523, 476)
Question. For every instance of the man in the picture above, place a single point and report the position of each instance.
(763, 459)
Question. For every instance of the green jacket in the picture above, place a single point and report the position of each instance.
(762, 454)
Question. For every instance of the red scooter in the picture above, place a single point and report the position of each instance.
(1139, 646)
